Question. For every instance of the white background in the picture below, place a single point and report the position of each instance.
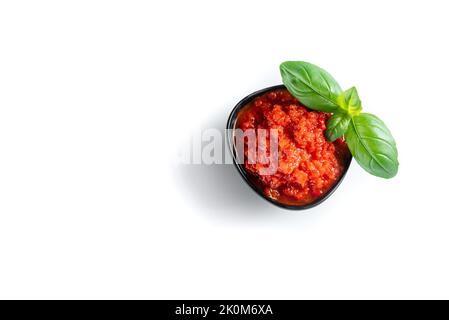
(98, 99)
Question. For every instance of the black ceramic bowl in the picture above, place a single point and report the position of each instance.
(247, 176)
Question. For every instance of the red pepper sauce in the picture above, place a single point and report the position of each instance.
(308, 165)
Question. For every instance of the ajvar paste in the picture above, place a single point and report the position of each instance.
(308, 165)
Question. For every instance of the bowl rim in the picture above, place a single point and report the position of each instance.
(244, 174)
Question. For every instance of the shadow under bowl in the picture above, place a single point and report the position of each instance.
(248, 178)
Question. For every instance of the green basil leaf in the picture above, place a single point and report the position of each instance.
(311, 85)
(337, 125)
(350, 101)
(372, 145)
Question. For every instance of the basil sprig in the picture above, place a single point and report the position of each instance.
(368, 139)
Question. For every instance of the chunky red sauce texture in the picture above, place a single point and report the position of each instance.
(308, 165)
